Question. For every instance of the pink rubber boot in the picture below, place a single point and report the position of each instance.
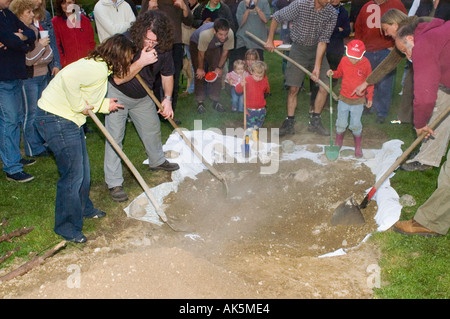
(358, 149)
(339, 139)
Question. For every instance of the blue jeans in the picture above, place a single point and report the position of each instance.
(382, 94)
(189, 89)
(68, 144)
(10, 105)
(355, 112)
(32, 91)
(237, 100)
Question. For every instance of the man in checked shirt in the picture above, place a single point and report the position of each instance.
(313, 22)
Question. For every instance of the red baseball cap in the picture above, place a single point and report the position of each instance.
(355, 49)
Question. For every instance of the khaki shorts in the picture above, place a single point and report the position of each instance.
(306, 57)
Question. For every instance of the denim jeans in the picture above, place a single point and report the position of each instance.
(237, 100)
(10, 104)
(68, 144)
(355, 112)
(382, 93)
(32, 91)
(189, 89)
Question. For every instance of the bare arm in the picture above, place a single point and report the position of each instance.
(200, 72)
(167, 84)
(269, 43)
(320, 52)
(147, 57)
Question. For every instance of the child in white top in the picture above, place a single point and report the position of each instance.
(233, 78)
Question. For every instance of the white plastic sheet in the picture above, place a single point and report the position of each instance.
(218, 148)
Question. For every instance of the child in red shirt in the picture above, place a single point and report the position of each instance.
(256, 86)
(354, 68)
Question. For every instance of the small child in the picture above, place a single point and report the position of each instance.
(256, 86)
(233, 78)
(354, 68)
(251, 56)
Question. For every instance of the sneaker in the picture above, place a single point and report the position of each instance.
(315, 126)
(118, 194)
(20, 177)
(201, 108)
(97, 214)
(166, 166)
(78, 240)
(415, 166)
(27, 162)
(218, 107)
(287, 127)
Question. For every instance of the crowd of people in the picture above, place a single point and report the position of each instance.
(53, 73)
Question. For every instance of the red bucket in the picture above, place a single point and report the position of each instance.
(210, 77)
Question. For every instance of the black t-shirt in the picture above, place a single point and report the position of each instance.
(164, 66)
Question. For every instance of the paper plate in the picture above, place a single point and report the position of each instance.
(210, 77)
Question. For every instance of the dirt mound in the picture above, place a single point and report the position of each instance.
(261, 241)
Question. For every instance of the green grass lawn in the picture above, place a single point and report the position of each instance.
(412, 267)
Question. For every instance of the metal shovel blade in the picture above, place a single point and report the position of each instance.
(332, 152)
(348, 213)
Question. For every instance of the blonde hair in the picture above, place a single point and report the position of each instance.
(259, 67)
(238, 63)
(39, 12)
(253, 53)
(393, 16)
(18, 7)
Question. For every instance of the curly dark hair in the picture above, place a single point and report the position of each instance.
(117, 51)
(159, 24)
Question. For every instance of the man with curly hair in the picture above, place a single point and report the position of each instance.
(152, 33)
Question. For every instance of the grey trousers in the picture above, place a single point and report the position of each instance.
(146, 120)
(434, 214)
(433, 149)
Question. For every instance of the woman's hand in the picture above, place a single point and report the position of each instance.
(87, 109)
(44, 41)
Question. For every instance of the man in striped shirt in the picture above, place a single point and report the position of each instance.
(313, 22)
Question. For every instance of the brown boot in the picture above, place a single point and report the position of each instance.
(339, 139)
(411, 227)
(358, 149)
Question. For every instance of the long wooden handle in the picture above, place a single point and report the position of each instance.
(133, 169)
(179, 131)
(284, 56)
(399, 160)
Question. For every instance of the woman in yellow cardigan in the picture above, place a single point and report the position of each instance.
(79, 87)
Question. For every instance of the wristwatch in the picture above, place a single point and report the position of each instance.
(166, 97)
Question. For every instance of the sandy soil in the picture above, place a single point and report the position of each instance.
(261, 241)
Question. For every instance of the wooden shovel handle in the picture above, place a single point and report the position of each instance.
(399, 160)
(284, 56)
(133, 169)
(179, 131)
